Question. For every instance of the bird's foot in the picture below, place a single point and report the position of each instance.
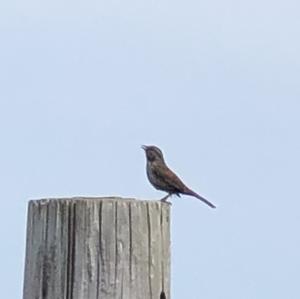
(164, 199)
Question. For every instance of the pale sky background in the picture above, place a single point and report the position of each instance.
(215, 84)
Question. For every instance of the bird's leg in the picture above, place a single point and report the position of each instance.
(164, 199)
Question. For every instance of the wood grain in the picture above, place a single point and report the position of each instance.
(97, 248)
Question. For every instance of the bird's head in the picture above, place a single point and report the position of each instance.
(153, 153)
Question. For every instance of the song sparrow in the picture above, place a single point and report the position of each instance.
(163, 178)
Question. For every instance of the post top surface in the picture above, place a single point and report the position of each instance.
(93, 199)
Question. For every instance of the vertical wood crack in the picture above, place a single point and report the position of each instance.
(149, 250)
(162, 251)
(116, 244)
(130, 242)
(99, 279)
(71, 249)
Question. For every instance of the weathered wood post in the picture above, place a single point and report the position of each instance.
(97, 248)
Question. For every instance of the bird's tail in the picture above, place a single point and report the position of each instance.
(192, 193)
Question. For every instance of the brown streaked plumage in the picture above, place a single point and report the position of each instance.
(163, 178)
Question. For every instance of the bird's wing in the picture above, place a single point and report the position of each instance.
(171, 181)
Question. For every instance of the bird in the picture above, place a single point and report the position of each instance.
(163, 178)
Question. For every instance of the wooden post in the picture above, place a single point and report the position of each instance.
(97, 248)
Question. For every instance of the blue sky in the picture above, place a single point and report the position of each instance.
(214, 84)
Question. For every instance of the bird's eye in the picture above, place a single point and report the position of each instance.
(151, 155)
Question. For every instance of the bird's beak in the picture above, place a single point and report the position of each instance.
(144, 147)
